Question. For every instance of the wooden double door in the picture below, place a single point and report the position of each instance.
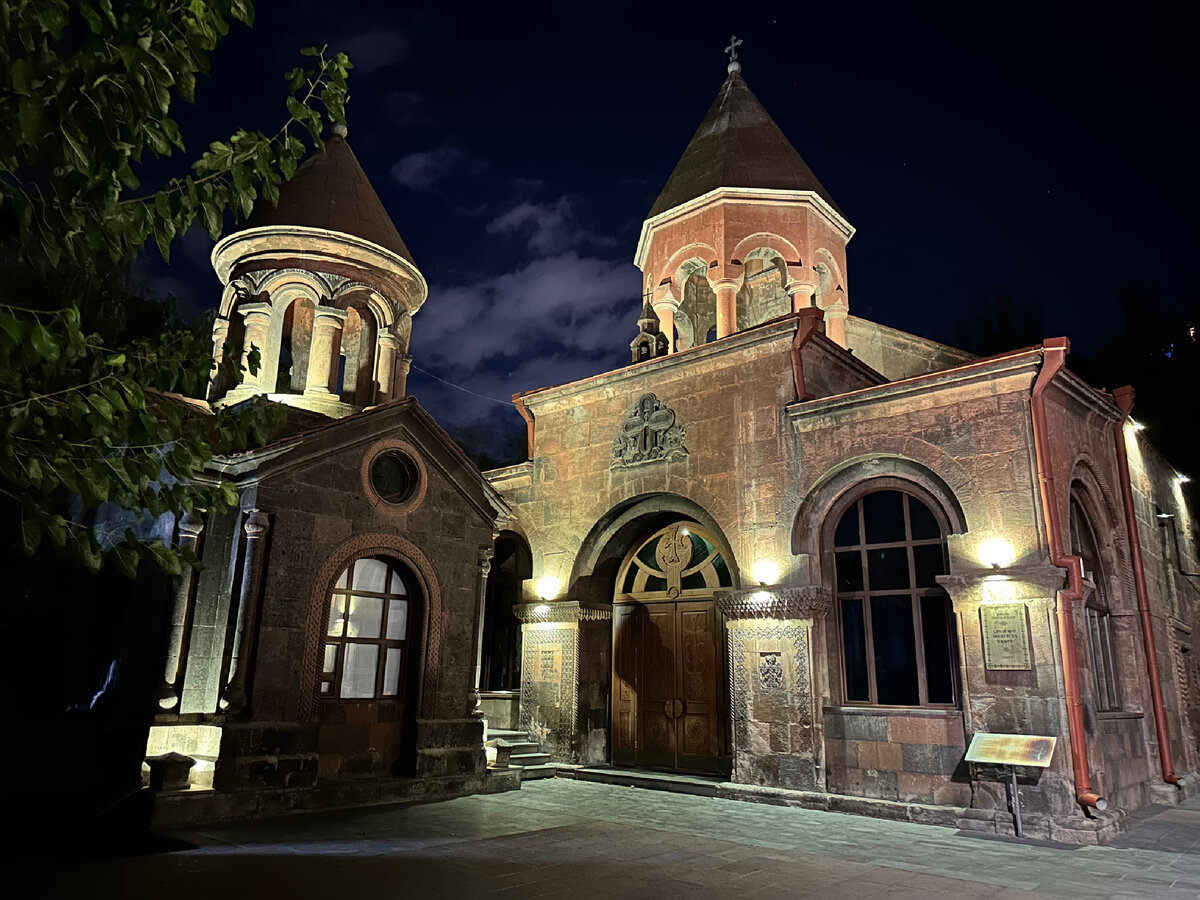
(665, 675)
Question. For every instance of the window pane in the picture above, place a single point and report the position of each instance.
(930, 561)
(895, 651)
(854, 647)
(341, 582)
(396, 585)
(884, 514)
(326, 687)
(359, 669)
(656, 583)
(330, 658)
(370, 575)
(397, 621)
(391, 672)
(938, 633)
(888, 569)
(336, 619)
(924, 525)
(366, 617)
(849, 571)
(847, 530)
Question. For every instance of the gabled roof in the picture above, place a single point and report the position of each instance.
(738, 145)
(330, 191)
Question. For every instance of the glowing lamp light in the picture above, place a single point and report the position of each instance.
(765, 571)
(996, 553)
(1137, 426)
(760, 598)
(1183, 479)
(541, 609)
(547, 588)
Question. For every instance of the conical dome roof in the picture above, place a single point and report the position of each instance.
(738, 145)
(330, 191)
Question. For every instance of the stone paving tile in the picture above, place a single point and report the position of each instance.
(560, 838)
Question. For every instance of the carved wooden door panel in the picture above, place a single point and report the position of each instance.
(664, 696)
(696, 723)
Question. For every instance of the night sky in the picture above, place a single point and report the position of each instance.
(1047, 149)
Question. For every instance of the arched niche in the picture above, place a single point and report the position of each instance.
(295, 342)
(356, 362)
(606, 546)
(762, 295)
(697, 313)
(831, 287)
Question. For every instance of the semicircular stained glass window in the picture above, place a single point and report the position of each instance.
(675, 560)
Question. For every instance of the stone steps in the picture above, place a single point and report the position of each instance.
(526, 756)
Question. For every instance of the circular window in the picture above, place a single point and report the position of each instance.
(395, 477)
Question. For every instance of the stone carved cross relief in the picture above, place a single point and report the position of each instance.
(649, 434)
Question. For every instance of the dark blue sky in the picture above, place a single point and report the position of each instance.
(1046, 148)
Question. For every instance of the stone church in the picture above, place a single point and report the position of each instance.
(792, 554)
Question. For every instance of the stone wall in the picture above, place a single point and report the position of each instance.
(897, 354)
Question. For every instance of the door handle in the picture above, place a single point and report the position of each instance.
(673, 709)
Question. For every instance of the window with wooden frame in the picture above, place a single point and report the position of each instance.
(1101, 646)
(367, 633)
(899, 645)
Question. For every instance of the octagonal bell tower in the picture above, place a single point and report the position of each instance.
(324, 286)
(743, 231)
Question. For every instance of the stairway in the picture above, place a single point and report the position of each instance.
(526, 755)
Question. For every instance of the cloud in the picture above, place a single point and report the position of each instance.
(404, 108)
(549, 227)
(421, 171)
(551, 321)
(373, 50)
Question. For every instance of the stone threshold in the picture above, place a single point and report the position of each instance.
(697, 784)
(190, 808)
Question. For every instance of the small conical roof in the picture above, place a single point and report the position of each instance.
(738, 145)
(331, 191)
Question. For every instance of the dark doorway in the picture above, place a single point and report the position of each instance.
(512, 564)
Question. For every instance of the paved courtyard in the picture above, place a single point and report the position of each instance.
(562, 838)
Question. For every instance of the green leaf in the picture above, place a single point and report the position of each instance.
(101, 406)
(116, 359)
(167, 560)
(31, 536)
(127, 558)
(29, 116)
(44, 343)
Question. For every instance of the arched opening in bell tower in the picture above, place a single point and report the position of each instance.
(762, 295)
(697, 314)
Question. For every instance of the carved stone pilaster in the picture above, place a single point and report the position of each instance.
(777, 733)
(190, 528)
(566, 669)
(233, 698)
(485, 566)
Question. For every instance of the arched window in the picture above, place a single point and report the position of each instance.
(370, 619)
(1096, 611)
(897, 630)
(678, 561)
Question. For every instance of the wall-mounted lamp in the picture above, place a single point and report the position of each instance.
(765, 571)
(541, 609)
(996, 553)
(1183, 479)
(1137, 426)
(547, 588)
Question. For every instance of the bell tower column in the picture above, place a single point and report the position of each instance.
(385, 366)
(257, 317)
(726, 290)
(326, 347)
(665, 308)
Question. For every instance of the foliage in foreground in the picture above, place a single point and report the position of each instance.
(86, 418)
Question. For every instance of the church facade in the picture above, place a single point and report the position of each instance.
(814, 556)
(800, 555)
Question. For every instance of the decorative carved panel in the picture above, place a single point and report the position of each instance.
(649, 434)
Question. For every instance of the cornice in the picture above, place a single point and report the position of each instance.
(563, 611)
(1022, 362)
(806, 602)
(748, 195)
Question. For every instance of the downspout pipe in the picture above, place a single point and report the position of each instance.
(1054, 354)
(1124, 398)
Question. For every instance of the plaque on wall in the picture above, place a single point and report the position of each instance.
(1005, 636)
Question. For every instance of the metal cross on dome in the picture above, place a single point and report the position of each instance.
(734, 43)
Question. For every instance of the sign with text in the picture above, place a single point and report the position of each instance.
(1011, 749)
(1005, 636)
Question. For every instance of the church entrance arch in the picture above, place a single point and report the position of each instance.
(667, 689)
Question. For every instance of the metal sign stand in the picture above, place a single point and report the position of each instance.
(1012, 750)
(1016, 802)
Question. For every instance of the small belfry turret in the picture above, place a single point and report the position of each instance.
(324, 286)
(743, 231)
(650, 341)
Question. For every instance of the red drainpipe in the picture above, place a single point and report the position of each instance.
(1054, 353)
(1124, 398)
(519, 403)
